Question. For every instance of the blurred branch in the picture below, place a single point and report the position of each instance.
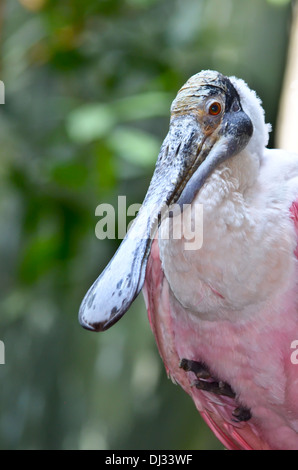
(287, 137)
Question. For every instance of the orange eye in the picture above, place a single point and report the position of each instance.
(214, 108)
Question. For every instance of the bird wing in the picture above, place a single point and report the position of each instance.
(216, 410)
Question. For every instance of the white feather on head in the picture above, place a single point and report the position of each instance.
(252, 105)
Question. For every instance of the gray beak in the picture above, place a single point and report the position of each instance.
(187, 157)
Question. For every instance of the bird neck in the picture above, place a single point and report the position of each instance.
(229, 189)
(239, 233)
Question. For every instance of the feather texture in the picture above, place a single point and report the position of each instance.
(233, 304)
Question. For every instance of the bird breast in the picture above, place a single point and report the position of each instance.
(246, 255)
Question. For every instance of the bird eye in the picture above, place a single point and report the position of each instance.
(214, 108)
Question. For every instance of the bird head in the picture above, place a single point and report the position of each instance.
(210, 123)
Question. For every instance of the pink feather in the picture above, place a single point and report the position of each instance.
(164, 312)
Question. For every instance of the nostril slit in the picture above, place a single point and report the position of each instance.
(178, 149)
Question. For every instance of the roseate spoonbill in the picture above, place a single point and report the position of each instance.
(224, 316)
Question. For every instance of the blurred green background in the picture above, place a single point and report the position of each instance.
(88, 90)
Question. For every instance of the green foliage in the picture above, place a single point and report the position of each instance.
(88, 90)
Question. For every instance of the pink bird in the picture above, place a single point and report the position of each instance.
(224, 309)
